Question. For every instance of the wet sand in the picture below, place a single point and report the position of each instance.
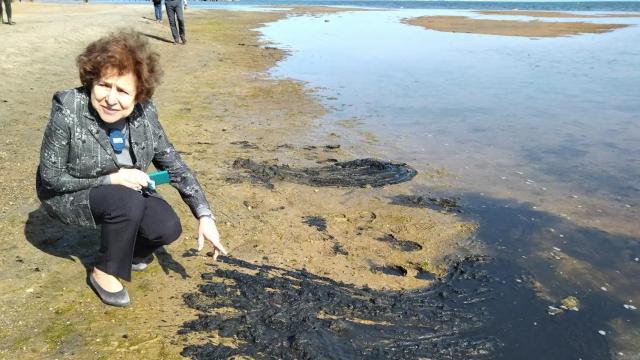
(461, 24)
(217, 105)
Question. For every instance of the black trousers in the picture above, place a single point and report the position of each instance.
(175, 11)
(7, 6)
(133, 227)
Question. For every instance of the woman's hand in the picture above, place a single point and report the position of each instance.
(208, 230)
(131, 178)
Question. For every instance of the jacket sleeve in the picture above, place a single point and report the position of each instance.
(54, 153)
(167, 158)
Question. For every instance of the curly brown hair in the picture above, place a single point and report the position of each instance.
(125, 51)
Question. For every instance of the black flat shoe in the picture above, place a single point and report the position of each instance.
(119, 298)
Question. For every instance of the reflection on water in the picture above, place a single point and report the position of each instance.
(563, 109)
(539, 120)
(550, 123)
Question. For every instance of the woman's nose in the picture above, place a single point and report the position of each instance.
(112, 97)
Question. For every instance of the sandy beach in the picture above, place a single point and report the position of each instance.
(216, 105)
(374, 272)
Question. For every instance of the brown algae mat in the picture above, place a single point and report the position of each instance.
(215, 97)
(534, 29)
(554, 14)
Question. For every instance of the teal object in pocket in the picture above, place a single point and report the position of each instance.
(158, 178)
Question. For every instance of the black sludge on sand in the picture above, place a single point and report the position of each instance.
(402, 245)
(277, 313)
(354, 173)
(318, 222)
(443, 204)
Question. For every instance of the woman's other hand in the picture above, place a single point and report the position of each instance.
(131, 178)
(208, 230)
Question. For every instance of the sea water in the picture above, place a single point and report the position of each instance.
(544, 113)
(408, 4)
(538, 137)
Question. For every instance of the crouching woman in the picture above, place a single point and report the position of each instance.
(99, 141)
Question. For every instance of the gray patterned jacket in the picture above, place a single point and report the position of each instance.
(76, 155)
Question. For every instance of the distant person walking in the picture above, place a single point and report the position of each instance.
(7, 9)
(175, 12)
(157, 5)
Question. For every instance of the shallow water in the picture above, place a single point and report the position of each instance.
(565, 109)
(540, 137)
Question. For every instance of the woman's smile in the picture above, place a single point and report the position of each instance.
(108, 110)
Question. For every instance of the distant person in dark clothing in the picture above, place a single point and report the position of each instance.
(175, 11)
(157, 5)
(7, 9)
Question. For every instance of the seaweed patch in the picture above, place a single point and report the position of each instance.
(245, 144)
(394, 270)
(402, 245)
(338, 249)
(318, 222)
(276, 313)
(443, 204)
(354, 173)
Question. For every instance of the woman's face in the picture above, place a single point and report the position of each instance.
(113, 96)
